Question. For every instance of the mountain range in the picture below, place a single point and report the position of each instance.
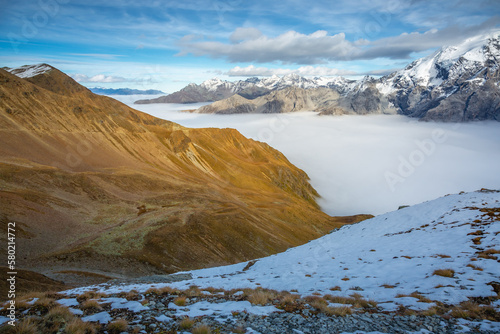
(456, 83)
(98, 189)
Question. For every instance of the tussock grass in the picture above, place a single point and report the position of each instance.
(472, 310)
(489, 254)
(186, 323)
(26, 326)
(470, 265)
(355, 299)
(90, 305)
(443, 256)
(90, 295)
(118, 326)
(193, 291)
(338, 311)
(44, 304)
(152, 291)
(444, 272)
(336, 288)
(260, 296)
(180, 301)
(201, 329)
(388, 286)
(56, 318)
(77, 326)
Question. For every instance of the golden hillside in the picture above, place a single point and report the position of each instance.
(96, 186)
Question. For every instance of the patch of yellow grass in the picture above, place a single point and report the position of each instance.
(186, 323)
(444, 272)
(180, 301)
(90, 305)
(77, 326)
(201, 329)
(260, 296)
(118, 326)
(470, 265)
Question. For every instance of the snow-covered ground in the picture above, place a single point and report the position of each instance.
(382, 258)
(395, 259)
(366, 164)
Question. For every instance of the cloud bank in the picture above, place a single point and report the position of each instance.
(99, 78)
(291, 47)
(348, 158)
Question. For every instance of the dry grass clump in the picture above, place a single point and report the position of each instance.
(388, 286)
(27, 325)
(417, 295)
(239, 330)
(473, 310)
(289, 302)
(44, 304)
(488, 254)
(193, 291)
(338, 311)
(201, 329)
(355, 299)
(77, 326)
(90, 295)
(118, 326)
(470, 265)
(56, 318)
(477, 240)
(186, 323)
(166, 290)
(444, 272)
(260, 296)
(152, 291)
(213, 290)
(180, 301)
(336, 288)
(316, 302)
(443, 256)
(90, 305)
(132, 295)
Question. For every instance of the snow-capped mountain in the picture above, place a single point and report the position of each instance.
(456, 83)
(216, 89)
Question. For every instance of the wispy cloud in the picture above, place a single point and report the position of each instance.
(97, 55)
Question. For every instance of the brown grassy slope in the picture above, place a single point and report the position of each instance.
(96, 185)
(26, 281)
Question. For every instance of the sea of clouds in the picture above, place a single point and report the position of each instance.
(366, 164)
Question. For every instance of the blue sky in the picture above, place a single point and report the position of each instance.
(167, 44)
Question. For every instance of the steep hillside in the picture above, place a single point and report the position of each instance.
(95, 186)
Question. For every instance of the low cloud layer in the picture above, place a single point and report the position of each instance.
(251, 45)
(369, 164)
(99, 78)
